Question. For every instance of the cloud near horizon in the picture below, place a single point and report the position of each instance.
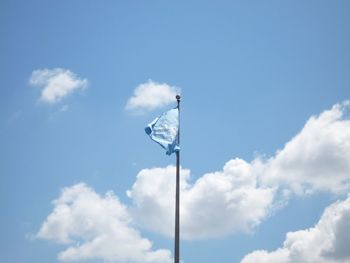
(243, 194)
(327, 242)
(97, 227)
(151, 95)
(56, 83)
(235, 199)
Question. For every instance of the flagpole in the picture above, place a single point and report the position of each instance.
(177, 201)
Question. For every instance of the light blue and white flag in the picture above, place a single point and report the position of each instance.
(164, 130)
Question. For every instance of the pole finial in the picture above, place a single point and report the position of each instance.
(178, 97)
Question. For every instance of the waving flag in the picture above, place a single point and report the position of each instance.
(164, 130)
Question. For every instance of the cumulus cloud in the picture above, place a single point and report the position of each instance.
(56, 83)
(326, 242)
(151, 95)
(241, 195)
(97, 227)
(217, 204)
(317, 158)
(234, 199)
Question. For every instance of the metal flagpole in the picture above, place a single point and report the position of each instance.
(177, 201)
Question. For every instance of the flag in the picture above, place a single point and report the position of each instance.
(165, 129)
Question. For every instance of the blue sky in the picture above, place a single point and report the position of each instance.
(251, 74)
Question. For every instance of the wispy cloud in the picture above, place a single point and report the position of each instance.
(97, 227)
(151, 95)
(56, 83)
(326, 242)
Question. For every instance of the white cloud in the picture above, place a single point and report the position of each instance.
(221, 203)
(327, 242)
(217, 204)
(151, 95)
(95, 227)
(316, 159)
(56, 83)
(241, 195)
